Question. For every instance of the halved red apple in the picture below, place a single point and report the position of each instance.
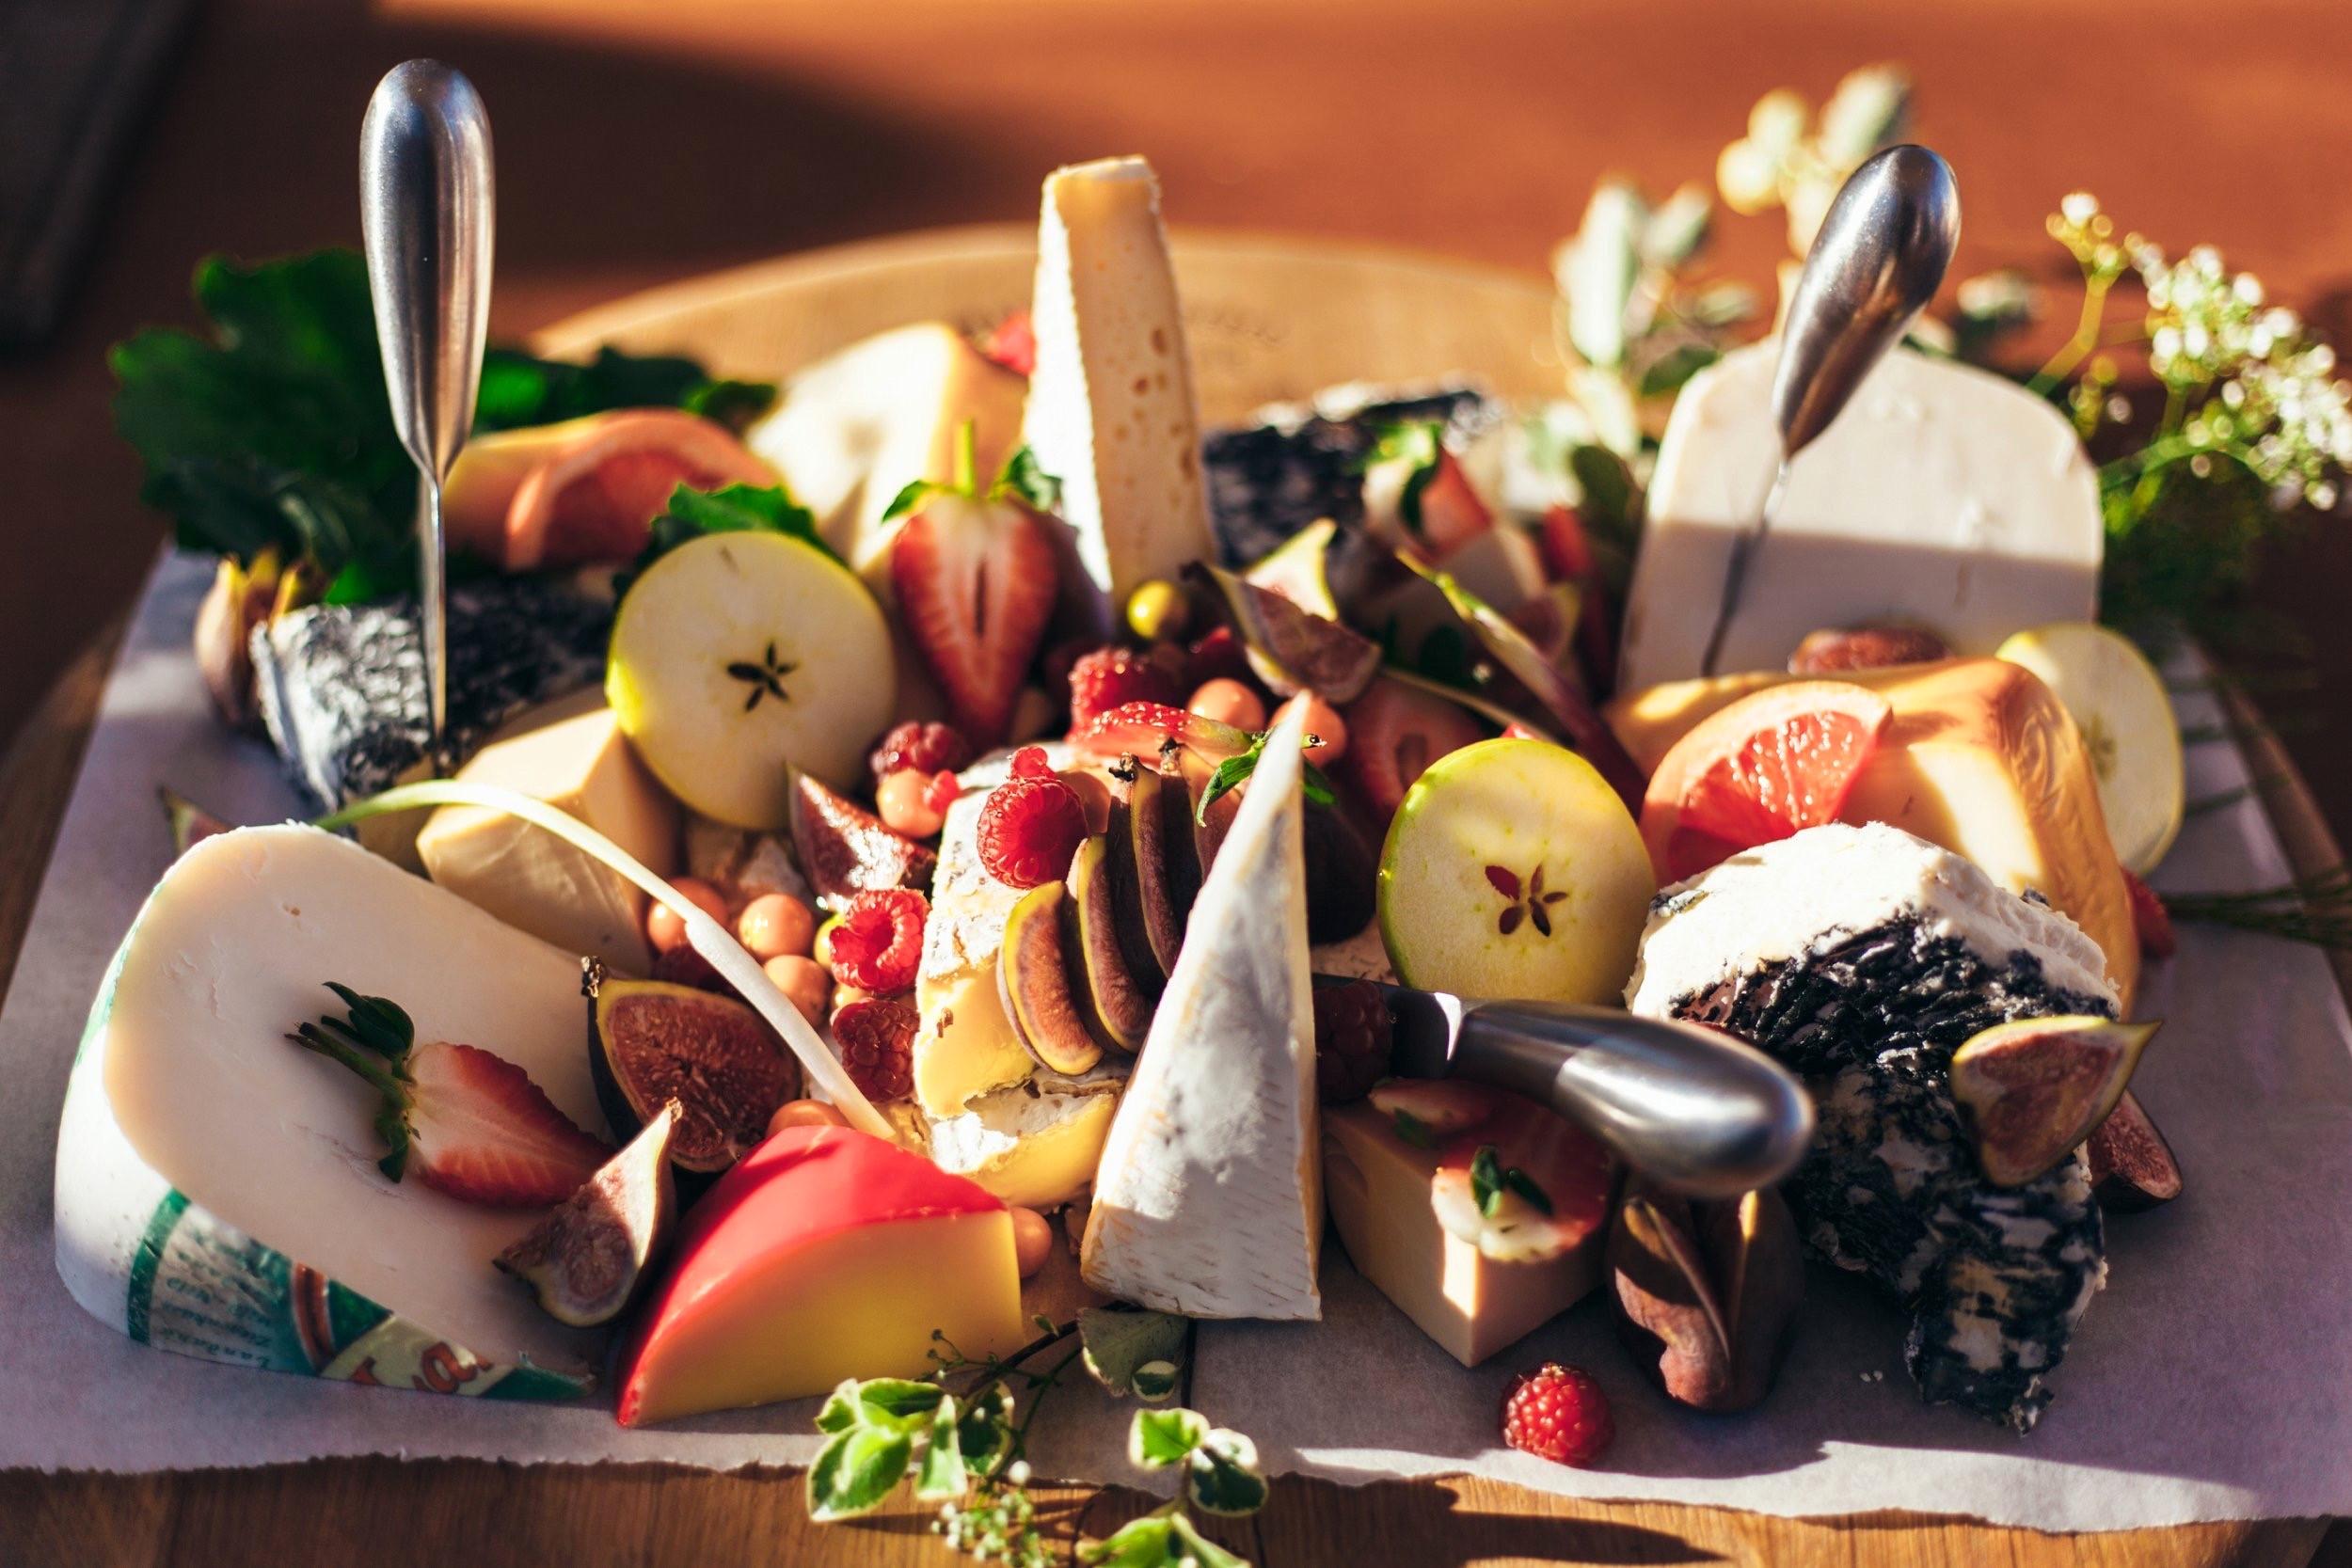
(585, 490)
(1764, 768)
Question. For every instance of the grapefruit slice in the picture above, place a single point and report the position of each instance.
(586, 490)
(1764, 768)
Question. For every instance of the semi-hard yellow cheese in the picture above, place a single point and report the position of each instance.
(571, 754)
(1378, 1188)
(1036, 1149)
(964, 1044)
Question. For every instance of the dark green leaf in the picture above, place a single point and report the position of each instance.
(694, 513)
(1525, 1185)
(914, 493)
(519, 389)
(1669, 370)
(1607, 486)
(941, 1476)
(1116, 1343)
(1486, 1179)
(856, 1471)
(984, 1432)
(1222, 1475)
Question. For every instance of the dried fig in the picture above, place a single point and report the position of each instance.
(1705, 1293)
(1830, 651)
(2132, 1167)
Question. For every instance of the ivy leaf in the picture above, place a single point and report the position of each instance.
(1161, 1438)
(1117, 1345)
(857, 1470)
(1155, 1382)
(898, 1403)
(984, 1432)
(1221, 1476)
(941, 1477)
(694, 513)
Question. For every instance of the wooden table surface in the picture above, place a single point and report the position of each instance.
(641, 140)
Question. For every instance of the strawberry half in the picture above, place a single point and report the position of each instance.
(460, 1119)
(976, 577)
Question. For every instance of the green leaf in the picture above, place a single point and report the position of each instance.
(737, 508)
(1669, 370)
(1023, 479)
(1195, 1550)
(840, 1411)
(1420, 444)
(941, 1475)
(1160, 1438)
(1161, 1539)
(984, 1432)
(1155, 1381)
(1526, 1187)
(1116, 1345)
(1605, 486)
(1221, 1476)
(1413, 1130)
(520, 389)
(856, 1471)
(914, 493)
(1234, 771)
(898, 1403)
(1490, 1180)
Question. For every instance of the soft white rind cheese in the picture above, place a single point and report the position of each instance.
(1209, 1200)
(1111, 411)
(1031, 1147)
(216, 1186)
(1943, 496)
(1784, 899)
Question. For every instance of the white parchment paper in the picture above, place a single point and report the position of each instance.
(2212, 1379)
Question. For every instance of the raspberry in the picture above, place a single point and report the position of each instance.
(941, 794)
(879, 942)
(1354, 1036)
(1558, 1413)
(1112, 677)
(1216, 655)
(2151, 920)
(875, 1040)
(1029, 763)
(1029, 828)
(928, 747)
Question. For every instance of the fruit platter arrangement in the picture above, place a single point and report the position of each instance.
(947, 879)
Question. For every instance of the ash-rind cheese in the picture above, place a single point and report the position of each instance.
(1863, 957)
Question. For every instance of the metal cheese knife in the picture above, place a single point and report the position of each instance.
(1878, 259)
(425, 205)
(1690, 1108)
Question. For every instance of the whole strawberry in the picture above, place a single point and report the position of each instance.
(1558, 1413)
(1354, 1036)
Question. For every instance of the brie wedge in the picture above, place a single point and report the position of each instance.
(1209, 1198)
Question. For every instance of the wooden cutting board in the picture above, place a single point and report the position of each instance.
(1268, 319)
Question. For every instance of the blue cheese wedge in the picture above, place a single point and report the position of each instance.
(1863, 957)
(1111, 410)
(1943, 496)
(1209, 1198)
(216, 1187)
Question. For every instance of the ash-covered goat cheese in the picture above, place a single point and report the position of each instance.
(1862, 957)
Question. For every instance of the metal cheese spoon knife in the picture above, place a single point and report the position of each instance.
(425, 205)
(1694, 1110)
(1879, 258)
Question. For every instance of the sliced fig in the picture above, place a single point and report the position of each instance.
(1299, 569)
(1159, 845)
(1704, 1293)
(1523, 1186)
(1118, 1009)
(1294, 649)
(1430, 1109)
(2132, 1167)
(845, 849)
(651, 1042)
(593, 1255)
(1033, 979)
(2032, 1090)
(191, 824)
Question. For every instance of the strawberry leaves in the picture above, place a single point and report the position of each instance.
(373, 1039)
(1021, 479)
(1490, 1178)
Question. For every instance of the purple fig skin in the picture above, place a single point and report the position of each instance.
(2132, 1167)
(593, 1255)
(2031, 1091)
(1705, 1295)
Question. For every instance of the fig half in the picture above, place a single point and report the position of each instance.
(2032, 1090)
(1291, 648)
(1118, 1009)
(593, 1255)
(2132, 1167)
(1033, 979)
(845, 849)
(1704, 1293)
(651, 1042)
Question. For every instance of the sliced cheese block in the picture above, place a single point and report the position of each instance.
(1208, 1201)
(571, 754)
(1942, 496)
(1033, 1148)
(1378, 1186)
(217, 1188)
(1111, 411)
(855, 428)
(824, 1254)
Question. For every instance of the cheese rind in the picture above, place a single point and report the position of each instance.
(216, 1187)
(1111, 411)
(1208, 1201)
(824, 1254)
(1379, 1187)
(1942, 496)
(1036, 1149)
(571, 754)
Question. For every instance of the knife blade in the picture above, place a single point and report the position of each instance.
(1692, 1108)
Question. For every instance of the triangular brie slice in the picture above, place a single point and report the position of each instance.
(1209, 1200)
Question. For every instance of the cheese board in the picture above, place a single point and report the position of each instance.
(1269, 321)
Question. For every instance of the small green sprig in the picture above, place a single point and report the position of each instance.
(2315, 910)
(1235, 770)
(1220, 1475)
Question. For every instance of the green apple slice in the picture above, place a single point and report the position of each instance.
(2117, 700)
(740, 657)
(1514, 870)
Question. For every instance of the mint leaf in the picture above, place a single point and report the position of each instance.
(1221, 1476)
(856, 1471)
(1117, 1345)
(941, 1476)
(738, 509)
(1160, 1438)
(1230, 773)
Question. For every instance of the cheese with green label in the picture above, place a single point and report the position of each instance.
(1209, 1200)
(572, 756)
(1943, 496)
(216, 1187)
(1111, 411)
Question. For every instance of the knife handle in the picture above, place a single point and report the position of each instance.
(1694, 1110)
